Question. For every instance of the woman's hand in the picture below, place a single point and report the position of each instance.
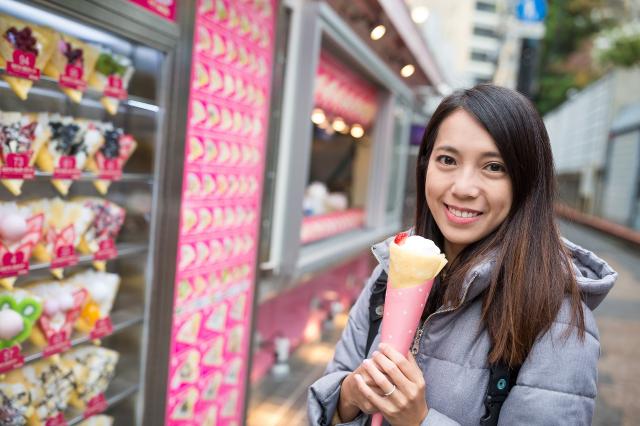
(351, 401)
(401, 379)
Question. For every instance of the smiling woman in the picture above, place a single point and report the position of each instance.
(510, 317)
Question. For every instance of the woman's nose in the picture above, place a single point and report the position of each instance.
(466, 184)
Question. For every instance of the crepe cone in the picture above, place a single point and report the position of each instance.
(84, 58)
(111, 76)
(42, 49)
(22, 135)
(412, 270)
(110, 158)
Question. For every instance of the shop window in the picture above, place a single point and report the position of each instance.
(337, 185)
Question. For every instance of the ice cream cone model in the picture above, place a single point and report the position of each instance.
(414, 263)
(25, 49)
(64, 225)
(60, 309)
(102, 288)
(19, 311)
(21, 137)
(111, 76)
(111, 156)
(92, 369)
(72, 64)
(20, 232)
(50, 389)
(100, 236)
(71, 144)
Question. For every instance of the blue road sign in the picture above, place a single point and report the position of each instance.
(531, 10)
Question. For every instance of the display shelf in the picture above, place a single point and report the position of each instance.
(121, 320)
(86, 259)
(119, 390)
(48, 86)
(126, 177)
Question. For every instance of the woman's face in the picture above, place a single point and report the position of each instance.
(467, 187)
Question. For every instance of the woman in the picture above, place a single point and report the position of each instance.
(514, 293)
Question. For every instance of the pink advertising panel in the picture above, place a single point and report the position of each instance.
(163, 8)
(222, 186)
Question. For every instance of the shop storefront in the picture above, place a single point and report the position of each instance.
(183, 183)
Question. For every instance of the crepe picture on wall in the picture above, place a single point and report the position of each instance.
(211, 387)
(111, 76)
(71, 64)
(109, 159)
(188, 332)
(21, 138)
(64, 224)
(185, 408)
(188, 371)
(93, 368)
(65, 154)
(102, 288)
(25, 49)
(213, 356)
(218, 318)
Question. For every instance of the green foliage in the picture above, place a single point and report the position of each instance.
(625, 52)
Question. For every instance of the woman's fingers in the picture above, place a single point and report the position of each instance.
(407, 366)
(375, 402)
(392, 370)
(380, 380)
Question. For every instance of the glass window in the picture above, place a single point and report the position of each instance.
(485, 32)
(485, 6)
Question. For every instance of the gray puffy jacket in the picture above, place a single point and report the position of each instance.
(556, 384)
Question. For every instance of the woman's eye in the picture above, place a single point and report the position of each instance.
(446, 160)
(496, 168)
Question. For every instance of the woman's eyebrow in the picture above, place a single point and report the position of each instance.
(452, 150)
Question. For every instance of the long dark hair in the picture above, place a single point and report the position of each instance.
(532, 273)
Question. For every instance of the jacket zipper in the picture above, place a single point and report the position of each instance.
(415, 347)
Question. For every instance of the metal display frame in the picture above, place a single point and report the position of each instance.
(174, 40)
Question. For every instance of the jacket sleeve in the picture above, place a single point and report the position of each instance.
(557, 382)
(324, 393)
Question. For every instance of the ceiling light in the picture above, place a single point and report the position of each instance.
(378, 32)
(407, 70)
(420, 14)
(317, 116)
(357, 131)
(339, 125)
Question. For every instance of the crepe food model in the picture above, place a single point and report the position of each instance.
(64, 224)
(60, 309)
(50, 383)
(19, 311)
(20, 231)
(100, 236)
(93, 368)
(71, 64)
(102, 288)
(25, 49)
(111, 75)
(71, 144)
(100, 420)
(111, 156)
(21, 137)
(15, 401)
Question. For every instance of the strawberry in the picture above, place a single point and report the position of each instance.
(401, 237)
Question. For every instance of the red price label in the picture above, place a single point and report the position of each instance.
(23, 65)
(13, 264)
(67, 169)
(10, 359)
(64, 256)
(57, 343)
(72, 78)
(107, 250)
(115, 88)
(95, 406)
(17, 167)
(102, 328)
(110, 169)
(57, 420)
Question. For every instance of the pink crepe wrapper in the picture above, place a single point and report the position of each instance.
(403, 308)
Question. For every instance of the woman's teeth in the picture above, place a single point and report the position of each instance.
(460, 213)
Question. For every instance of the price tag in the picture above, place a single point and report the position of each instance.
(23, 65)
(96, 405)
(72, 78)
(57, 420)
(10, 359)
(16, 166)
(67, 168)
(102, 328)
(57, 343)
(115, 88)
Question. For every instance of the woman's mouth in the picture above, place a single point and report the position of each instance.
(460, 215)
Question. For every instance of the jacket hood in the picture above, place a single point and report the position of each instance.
(594, 276)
